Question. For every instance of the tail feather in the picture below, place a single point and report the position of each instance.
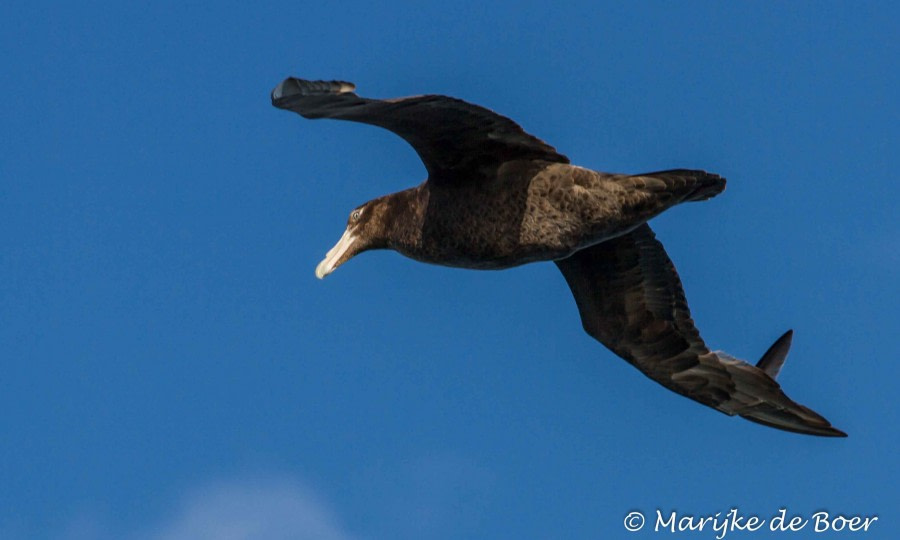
(760, 399)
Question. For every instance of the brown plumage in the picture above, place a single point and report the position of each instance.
(497, 197)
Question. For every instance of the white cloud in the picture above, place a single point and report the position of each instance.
(423, 497)
(249, 510)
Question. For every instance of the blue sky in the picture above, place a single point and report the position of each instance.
(172, 368)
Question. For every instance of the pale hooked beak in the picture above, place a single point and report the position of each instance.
(335, 255)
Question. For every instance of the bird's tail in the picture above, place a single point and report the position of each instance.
(689, 184)
(759, 398)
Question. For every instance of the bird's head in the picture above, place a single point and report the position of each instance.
(365, 230)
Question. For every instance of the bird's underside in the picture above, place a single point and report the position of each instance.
(534, 211)
(626, 288)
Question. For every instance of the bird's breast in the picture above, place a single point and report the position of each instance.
(493, 226)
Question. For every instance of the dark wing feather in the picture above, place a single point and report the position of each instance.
(456, 140)
(631, 300)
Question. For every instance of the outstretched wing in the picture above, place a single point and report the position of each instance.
(631, 300)
(456, 140)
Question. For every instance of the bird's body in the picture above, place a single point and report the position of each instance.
(531, 210)
(497, 197)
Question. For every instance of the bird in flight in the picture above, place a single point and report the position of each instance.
(497, 197)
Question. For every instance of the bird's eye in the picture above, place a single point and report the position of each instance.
(354, 216)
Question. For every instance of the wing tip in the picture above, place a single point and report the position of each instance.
(796, 424)
(293, 87)
(773, 359)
